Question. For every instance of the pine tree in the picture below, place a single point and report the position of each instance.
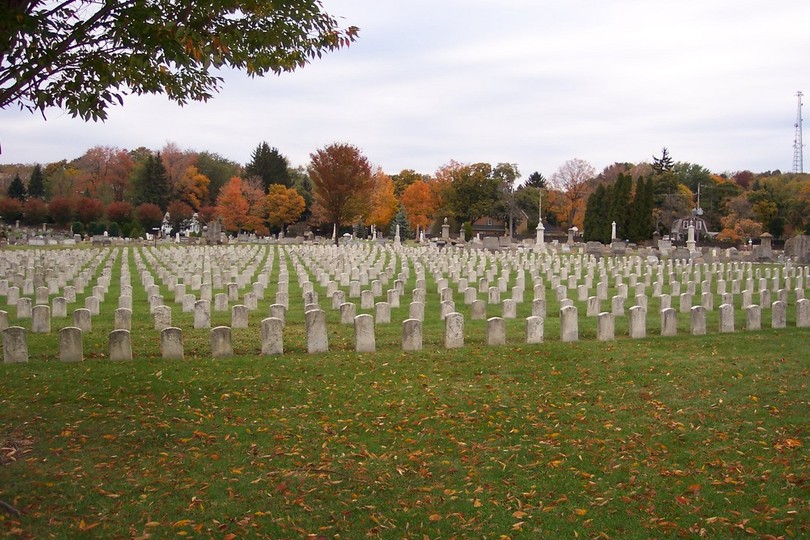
(536, 180)
(36, 184)
(641, 222)
(589, 221)
(620, 206)
(664, 163)
(16, 189)
(401, 219)
(635, 226)
(268, 164)
(151, 182)
(597, 223)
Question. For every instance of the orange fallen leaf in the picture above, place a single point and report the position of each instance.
(580, 511)
(435, 517)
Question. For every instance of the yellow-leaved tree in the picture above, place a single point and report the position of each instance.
(284, 206)
(384, 204)
(192, 188)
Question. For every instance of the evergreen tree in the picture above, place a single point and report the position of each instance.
(620, 207)
(151, 183)
(268, 164)
(401, 219)
(16, 189)
(536, 180)
(302, 183)
(664, 163)
(36, 184)
(597, 215)
(641, 209)
(589, 221)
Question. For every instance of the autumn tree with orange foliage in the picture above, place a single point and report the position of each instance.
(341, 180)
(384, 203)
(232, 206)
(284, 206)
(253, 190)
(176, 161)
(420, 204)
(192, 188)
(104, 172)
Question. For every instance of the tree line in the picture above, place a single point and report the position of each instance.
(128, 192)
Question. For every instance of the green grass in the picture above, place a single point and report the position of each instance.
(661, 437)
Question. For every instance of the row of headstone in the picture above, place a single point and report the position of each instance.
(15, 347)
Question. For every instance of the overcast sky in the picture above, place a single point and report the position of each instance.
(530, 82)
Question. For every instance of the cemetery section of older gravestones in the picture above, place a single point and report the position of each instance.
(157, 287)
(55, 283)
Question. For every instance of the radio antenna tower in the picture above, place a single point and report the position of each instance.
(798, 161)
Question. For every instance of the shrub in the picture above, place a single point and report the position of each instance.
(11, 209)
(135, 230)
(61, 210)
(149, 215)
(89, 209)
(119, 212)
(96, 228)
(35, 211)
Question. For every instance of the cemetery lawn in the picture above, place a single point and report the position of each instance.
(661, 437)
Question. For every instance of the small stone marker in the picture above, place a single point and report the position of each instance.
(272, 329)
(412, 335)
(753, 317)
(171, 343)
(202, 314)
(697, 320)
(120, 345)
(15, 345)
(803, 313)
(605, 326)
(453, 330)
(638, 322)
(82, 320)
(70, 344)
(41, 319)
(382, 313)
(221, 346)
(364, 340)
(669, 322)
(163, 317)
(239, 316)
(569, 324)
(726, 318)
(779, 314)
(496, 331)
(24, 309)
(317, 337)
(535, 329)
